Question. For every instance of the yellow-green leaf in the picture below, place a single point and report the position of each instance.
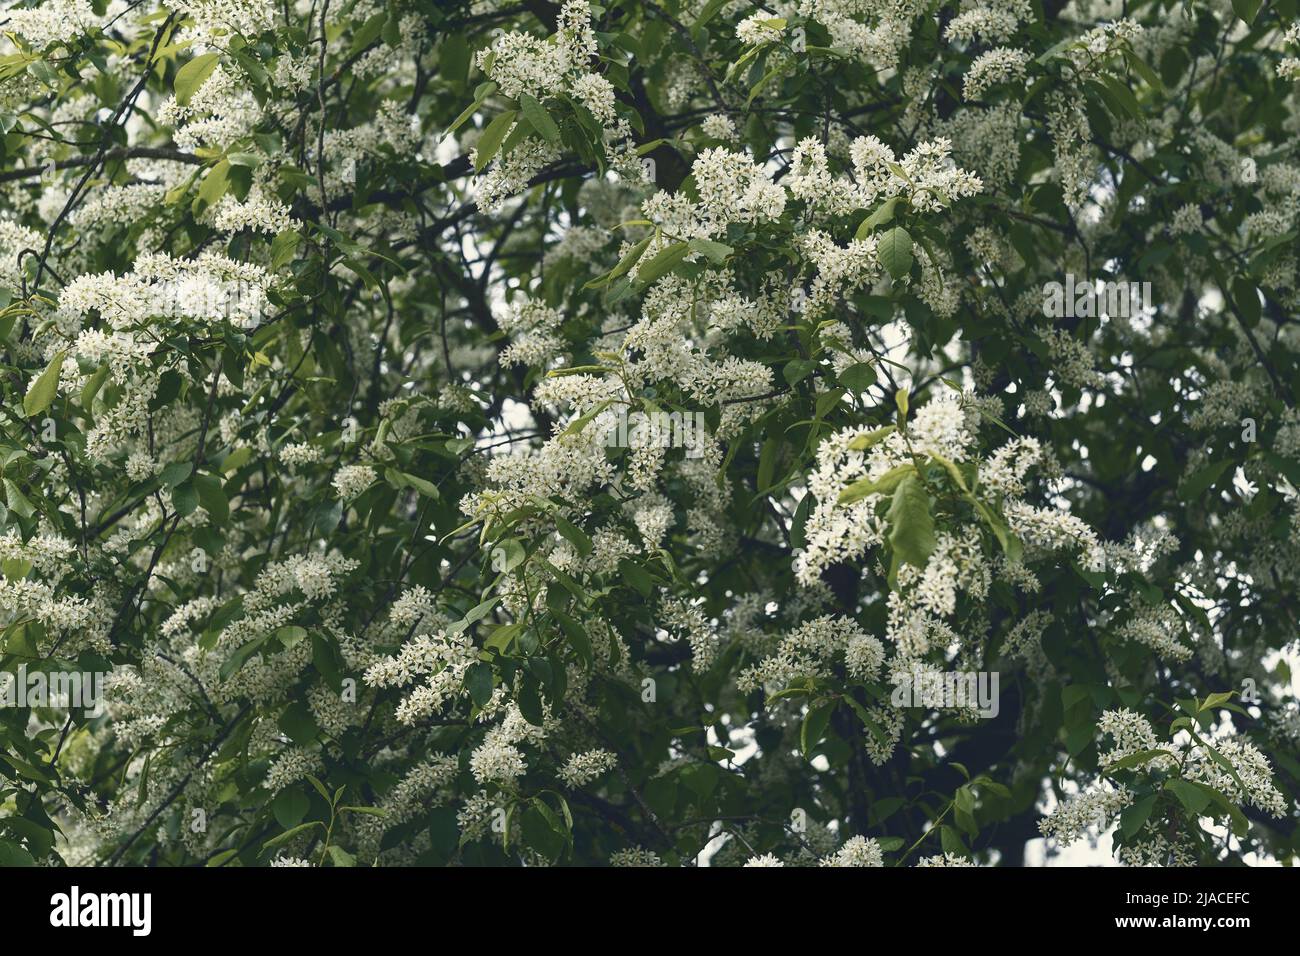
(42, 392)
(191, 76)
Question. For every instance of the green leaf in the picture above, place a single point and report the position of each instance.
(320, 788)
(240, 656)
(883, 485)
(475, 614)
(11, 854)
(8, 319)
(530, 702)
(502, 638)
(1194, 798)
(1138, 759)
(757, 87)
(520, 132)
(1140, 67)
(1238, 821)
(289, 807)
(480, 95)
(1121, 95)
(815, 722)
(863, 442)
(507, 555)
(951, 841)
(478, 681)
(901, 400)
(1133, 817)
(539, 118)
(42, 391)
(709, 12)
(298, 723)
(1223, 762)
(237, 459)
(1247, 9)
(191, 76)
(663, 262)
(491, 140)
(342, 857)
(796, 370)
(858, 377)
(424, 487)
(574, 535)
(214, 184)
(636, 576)
(911, 526)
(16, 501)
(1246, 297)
(288, 835)
(624, 265)
(92, 387)
(895, 252)
(290, 635)
(327, 660)
(368, 33)
(1196, 485)
(880, 217)
(715, 252)
(185, 499)
(15, 569)
(283, 247)
(1214, 700)
(213, 497)
(542, 830)
(577, 634)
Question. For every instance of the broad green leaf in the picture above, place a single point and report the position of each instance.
(478, 681)
(191, 76)
(574, 535)
(858, 377)
(539, 118)
(662, 262)
(895, 252)
(214, 184)
(283, 247)
(815, 722)
(1133, 817)
(289, 807)
(1247, 9)
(716, 252)
(911, 526)
(882, 216)
(1194, 798)
(493, 136)
(41, 394)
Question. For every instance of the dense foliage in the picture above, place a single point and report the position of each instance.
(522, 433)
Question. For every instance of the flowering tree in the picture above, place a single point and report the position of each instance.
(835, 432)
